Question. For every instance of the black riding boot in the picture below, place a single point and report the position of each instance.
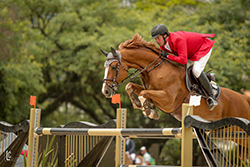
(211, 101)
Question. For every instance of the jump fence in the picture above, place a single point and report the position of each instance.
(119, 132)
(224, 143)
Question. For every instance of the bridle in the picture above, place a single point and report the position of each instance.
(114, 85)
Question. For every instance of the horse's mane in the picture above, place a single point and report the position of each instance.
(137, 41)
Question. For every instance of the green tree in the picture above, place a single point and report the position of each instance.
(230, 58)
(20, 77)
(51, 49)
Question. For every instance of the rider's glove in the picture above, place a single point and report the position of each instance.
(164, 54)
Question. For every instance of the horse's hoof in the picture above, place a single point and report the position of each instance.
(154, 115)
(146, 111)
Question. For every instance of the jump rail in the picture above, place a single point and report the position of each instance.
(128, 132)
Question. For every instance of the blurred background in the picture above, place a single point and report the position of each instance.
(50, 49)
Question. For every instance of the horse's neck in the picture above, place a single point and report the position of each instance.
(141, 59)
(138, 58)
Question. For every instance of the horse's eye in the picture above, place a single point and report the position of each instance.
(113, 67)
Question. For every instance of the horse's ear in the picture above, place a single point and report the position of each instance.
(114, 52)
(104, 52)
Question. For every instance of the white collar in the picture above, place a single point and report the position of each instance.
(167, 46)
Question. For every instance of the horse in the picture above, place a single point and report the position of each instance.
(163, 83)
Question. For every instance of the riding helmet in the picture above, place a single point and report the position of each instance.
(159, 29)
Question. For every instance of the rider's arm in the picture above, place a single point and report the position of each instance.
(182, 54)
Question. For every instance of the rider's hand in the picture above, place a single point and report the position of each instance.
(164, 54)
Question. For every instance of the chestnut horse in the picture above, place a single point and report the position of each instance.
(163, 83)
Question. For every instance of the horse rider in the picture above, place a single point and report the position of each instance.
(130, 149)
(187, 48)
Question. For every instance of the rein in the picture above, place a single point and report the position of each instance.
(132, 76)
(129, 78)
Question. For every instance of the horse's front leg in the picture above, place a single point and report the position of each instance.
(133, 89)
(159, 97)
(145, 105)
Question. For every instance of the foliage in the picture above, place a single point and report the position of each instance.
(51, 49)
(19, 75)
(230, 57)
(60, 49)
(170, 154)
(43, 157)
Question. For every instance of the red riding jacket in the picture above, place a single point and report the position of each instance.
(188, 45)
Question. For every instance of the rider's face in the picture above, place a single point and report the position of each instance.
(159, 40)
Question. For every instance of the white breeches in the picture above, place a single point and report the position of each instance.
(199, 65)
(132, 156)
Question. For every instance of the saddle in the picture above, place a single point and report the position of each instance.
(193, 84)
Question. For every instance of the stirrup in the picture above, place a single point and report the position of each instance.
(212, 103)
